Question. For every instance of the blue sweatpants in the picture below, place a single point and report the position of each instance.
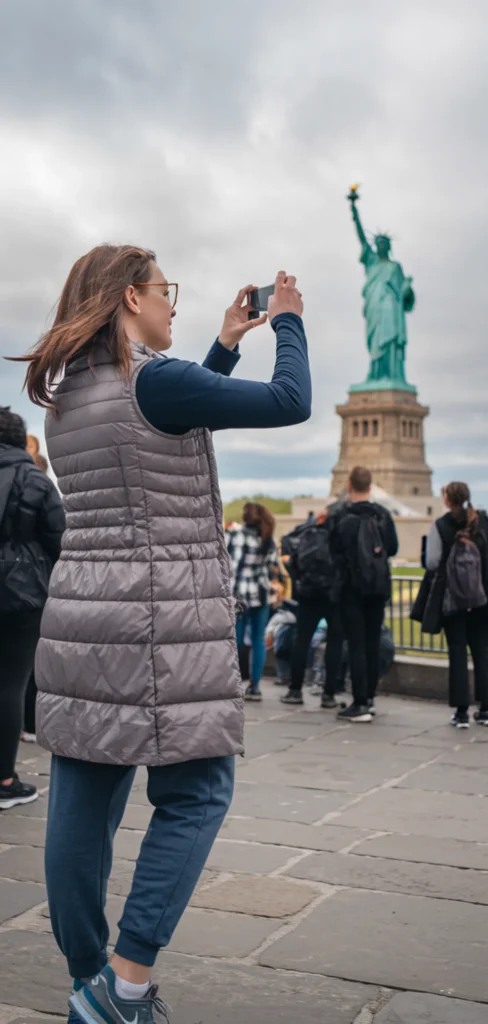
(86, 805)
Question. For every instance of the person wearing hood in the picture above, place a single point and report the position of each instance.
(362, 538)
(31, 527)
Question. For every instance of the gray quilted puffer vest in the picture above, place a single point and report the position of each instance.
(137, 662)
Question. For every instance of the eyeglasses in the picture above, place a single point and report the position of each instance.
(170, 293)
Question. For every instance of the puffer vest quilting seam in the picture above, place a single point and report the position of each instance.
(158, 696)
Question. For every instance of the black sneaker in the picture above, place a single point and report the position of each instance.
(372, 707)
(328, 702)
(17, 793)
(481, 717)
(355, 713)
(460, 720)
(253, 693)
(292, 697)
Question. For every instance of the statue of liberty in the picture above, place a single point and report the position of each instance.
(388, 295)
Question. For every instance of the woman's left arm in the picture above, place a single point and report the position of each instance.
(221, 359)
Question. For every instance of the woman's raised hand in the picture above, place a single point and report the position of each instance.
(236, 323)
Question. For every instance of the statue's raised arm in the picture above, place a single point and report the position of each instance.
(353, 198)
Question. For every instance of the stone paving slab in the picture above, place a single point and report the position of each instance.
(291, 833)
(248, 894)
(215, 993)
(450, 778)
(298, 729)
(27, 1017)
(127, 843)
(392, 940)
(417, 1008)
(22, 863)
(426, 850)
(221, 934)
(441, 737)
(344, 772)
(259, 859)
(38, 809)
(137, 816)
(17, 897)
(281, 802)
(260, 741)
(394, 876)
(22, 831)
(471, 755)
(371, 744)
(33, 971)
(443, 815)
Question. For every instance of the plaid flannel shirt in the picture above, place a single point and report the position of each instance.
(250, 567)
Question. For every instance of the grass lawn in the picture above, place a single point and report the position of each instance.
(407, 634)
(407, 570)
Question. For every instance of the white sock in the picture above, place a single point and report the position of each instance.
(127, 990)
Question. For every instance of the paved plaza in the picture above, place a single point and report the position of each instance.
(349, 883)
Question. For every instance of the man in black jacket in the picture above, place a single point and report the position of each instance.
(31, 527)
(362, 538)
(312, 573)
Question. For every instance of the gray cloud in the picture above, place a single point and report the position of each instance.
(225, 139)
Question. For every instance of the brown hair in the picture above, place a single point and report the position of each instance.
(41, 462)
(90, 307)
(254, 514)
(459, 498)
(360, 480)
(34, 441)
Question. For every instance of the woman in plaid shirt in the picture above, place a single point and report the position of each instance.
(254, 558)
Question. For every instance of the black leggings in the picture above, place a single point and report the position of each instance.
(463, 630)
(19, 633)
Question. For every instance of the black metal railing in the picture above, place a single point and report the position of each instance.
(407, 634)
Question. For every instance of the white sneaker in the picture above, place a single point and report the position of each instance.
(28, 737)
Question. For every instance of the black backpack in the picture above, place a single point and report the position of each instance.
(464, 576)
(313, 562)
(372, 573)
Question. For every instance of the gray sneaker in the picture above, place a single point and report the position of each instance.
(98, 1003)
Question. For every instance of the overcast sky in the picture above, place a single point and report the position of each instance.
(224, 136)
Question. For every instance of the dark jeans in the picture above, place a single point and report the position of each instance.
(363, 619)
(86, 805)
(19, 633)
(467, 629)
(309, 615)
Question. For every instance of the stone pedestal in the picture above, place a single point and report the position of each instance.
(383, 430)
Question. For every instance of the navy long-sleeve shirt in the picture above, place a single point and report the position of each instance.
(175, 395)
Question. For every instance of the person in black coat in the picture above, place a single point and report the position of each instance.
(31, 526)
(465, 628)
(362, 538)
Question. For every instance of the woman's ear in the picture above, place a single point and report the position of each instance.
(131, 299)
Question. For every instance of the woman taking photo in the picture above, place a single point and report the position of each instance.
(137, 664)
(465, 615)
(254, 556)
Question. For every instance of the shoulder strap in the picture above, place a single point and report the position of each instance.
(6, 483)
